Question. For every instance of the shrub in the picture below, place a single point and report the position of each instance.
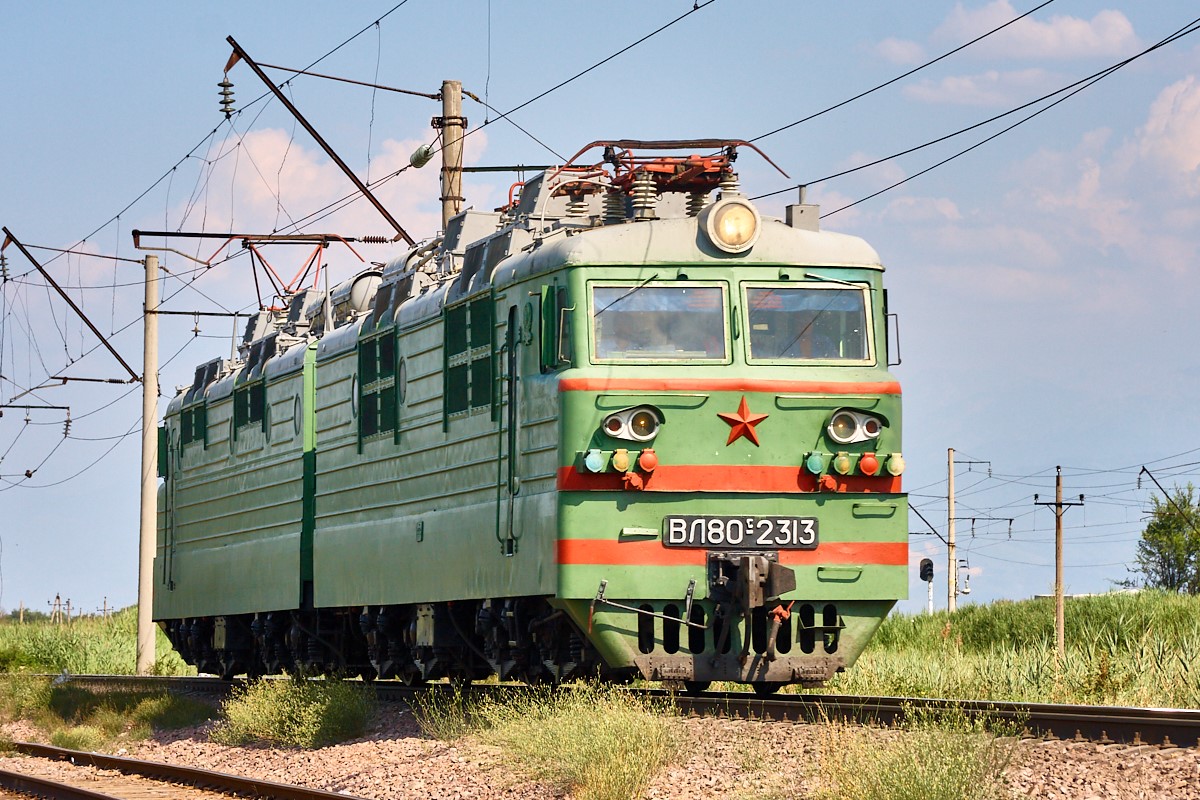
(597, 742)
(80, 737)
(295, 712)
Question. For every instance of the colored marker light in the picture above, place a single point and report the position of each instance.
(815, 463)
(648, 460)
(868, 464)
(841, 463)
(594, 461)
(895, 465)
(620, 460)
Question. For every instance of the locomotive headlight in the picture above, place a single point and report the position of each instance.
(843, 427)
(638, 424)
(643, 425)
(732, 224)
(847, 427)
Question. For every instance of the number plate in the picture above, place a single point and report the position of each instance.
(758, 533)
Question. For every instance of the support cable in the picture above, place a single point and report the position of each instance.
(903, 75)
(1071, 90)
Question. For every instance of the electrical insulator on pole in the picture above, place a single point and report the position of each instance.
(226, 97)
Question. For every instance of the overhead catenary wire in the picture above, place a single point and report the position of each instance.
(902, 75)
(1070, 90)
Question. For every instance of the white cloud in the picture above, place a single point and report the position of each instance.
(921, 209)
(242, 189)
(1170, 139)
(901, 51)
(1108, 33)
(991, 88)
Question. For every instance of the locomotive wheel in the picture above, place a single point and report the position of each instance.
(764, 688)
(695, 687)
(411, 678)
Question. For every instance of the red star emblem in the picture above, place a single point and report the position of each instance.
(742, 423)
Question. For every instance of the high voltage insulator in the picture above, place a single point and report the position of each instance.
(3, 267)
(66, 427)
(226, 97)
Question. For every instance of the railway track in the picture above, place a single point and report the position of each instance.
(1103, 724)
(116, 778)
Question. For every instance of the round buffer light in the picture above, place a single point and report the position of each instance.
(868, 464)
(643, 425)
(815, 463)
(732, 224)
(594, 460)
(895, 465)
(842, 464)
(843, 427)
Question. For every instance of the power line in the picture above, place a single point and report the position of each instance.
(1071, 90)
(903, 75)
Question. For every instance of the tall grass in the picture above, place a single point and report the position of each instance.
(934, 755)
(87, 646)
(1122, 649)
(597, 742)
(295, 712)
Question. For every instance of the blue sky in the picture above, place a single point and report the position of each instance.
(1046, 282)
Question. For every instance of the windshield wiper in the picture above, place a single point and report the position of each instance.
(622, 297)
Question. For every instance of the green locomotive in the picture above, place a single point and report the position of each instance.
(624, 426)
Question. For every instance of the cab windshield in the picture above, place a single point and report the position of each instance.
(808, 323)
(658, 323)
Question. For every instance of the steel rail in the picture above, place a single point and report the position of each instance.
(199, 778)
(1105, 724)
(1130, 725)
(43, 787)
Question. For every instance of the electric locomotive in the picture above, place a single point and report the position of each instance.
(625, 426)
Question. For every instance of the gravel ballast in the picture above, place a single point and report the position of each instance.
(727, 759)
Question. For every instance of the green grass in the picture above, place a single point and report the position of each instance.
(934, 755)
(295, 712)
(1122, 649)
(71, 716)
(596, 742)
(87, 646)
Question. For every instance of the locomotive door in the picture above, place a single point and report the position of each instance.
(508, 479)
(174, 468)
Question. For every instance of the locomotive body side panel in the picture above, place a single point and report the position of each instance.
(232, 539)
(397, 507)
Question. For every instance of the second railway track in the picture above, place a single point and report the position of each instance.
(127, 778)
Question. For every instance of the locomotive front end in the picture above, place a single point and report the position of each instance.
(730, 502)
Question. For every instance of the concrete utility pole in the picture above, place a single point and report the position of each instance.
(452, 123)
(1060, 635)
(951, 550)
(149, 520)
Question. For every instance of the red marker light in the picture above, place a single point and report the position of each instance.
(869, 464)
(648, 460)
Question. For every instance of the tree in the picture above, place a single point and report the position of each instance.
(1168, 556)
